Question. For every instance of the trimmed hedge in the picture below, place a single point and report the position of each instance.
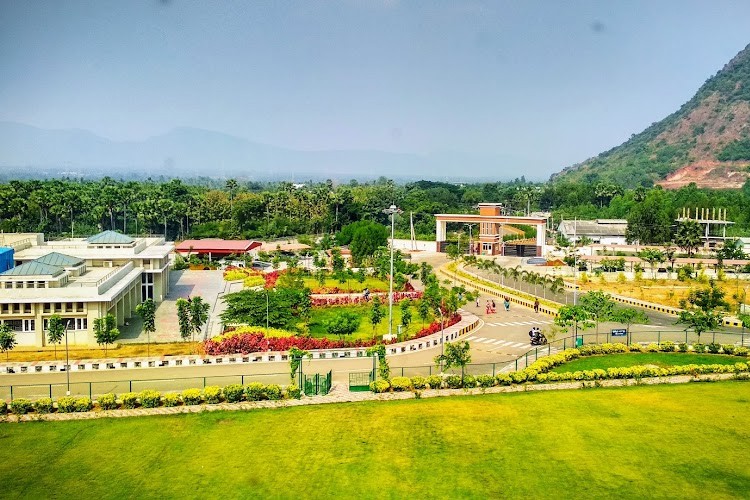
(108, 401)
(150, 398)
(212, 393)
(3, 407)
(400, 384)
(43, 405)
(20, 406)
(129, 400)
(172, 399)
(192, 397)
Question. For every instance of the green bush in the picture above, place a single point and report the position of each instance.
(738, 351)
(150, 398)
(83, 404)
(171, 399)
(714, 348)
(43, 405)
(652, 347)
(192, 396)
(66, 404)
(108, 401)
(485, 381)
(293, 392)
(518, 377)
(3, 407)
(20, 406)
(503, 379)
(453, 381)
(129, 400)
(728, 348)
(401, 384)
(255, 391)
(636, 348)
(699, 348)
(470, 380)
(683, 347)
(434, 381)
(667, 346)
(212, 393)
(380, 385)
(273, 392)
(418, 382)
(234, 393)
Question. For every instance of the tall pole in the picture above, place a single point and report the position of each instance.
(392, 211)
(67, 358)
(266, 312)
(575, 265)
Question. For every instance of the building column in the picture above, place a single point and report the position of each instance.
(440, 227)
(541, 239)
(120, 311)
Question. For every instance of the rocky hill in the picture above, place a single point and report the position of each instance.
(707, 141)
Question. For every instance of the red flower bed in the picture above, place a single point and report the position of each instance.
(271, 278)
(334, 290)
(247, 343)
(355, 300)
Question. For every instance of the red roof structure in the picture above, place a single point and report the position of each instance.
(215, 247)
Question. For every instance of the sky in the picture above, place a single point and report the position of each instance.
(546, 82)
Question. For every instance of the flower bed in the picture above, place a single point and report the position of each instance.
(244, 342)
(358, 299)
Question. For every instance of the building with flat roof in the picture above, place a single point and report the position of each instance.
(80, 280)
(603, 231)
(215, 248)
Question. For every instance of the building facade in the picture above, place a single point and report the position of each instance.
(80, 280)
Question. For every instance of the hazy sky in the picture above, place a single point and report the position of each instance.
(550, 82)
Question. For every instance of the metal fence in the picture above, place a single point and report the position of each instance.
(318, 384)
(95, 389)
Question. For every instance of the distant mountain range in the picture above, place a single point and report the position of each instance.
(192, 152)
(707, 141)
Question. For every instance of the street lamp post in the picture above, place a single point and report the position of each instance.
(266, 312)
(442, 337)
(392, 211)
(67, 358)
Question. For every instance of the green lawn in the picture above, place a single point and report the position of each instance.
(661, 359)
(350, 286)
(670, 441)
(365, 331)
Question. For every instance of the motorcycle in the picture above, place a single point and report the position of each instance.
(539, 339)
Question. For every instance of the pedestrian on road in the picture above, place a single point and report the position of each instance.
(493, 304)
(477, 300)
(506, 303)
(536, 305)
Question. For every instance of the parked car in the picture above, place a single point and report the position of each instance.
(537, 261)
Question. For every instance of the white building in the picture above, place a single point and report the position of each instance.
(80, 280)
(602, 231)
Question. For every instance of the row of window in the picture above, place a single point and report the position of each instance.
(54, 307)
(25, 284)
(72, 323)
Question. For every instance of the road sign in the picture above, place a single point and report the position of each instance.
(619, 332)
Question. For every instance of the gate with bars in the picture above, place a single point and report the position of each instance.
(318, 384)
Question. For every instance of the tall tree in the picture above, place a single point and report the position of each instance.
(106, 331)
(455, 354)
(7, 339)
(651, 220)
(198, 314)
(147, 311)
(689, 236)
(183, 318)
(405, 306)
(376, 313)
(653, 256)
(599, 305)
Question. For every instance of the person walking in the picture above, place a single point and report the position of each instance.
(477, 300)
(536, 305)
(506, 303)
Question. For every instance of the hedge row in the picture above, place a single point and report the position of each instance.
(149, 398)
(539, 371)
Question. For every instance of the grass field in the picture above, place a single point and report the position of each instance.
(672, 441)
(365, 331)
(348, 286)
(122, 351)
(661, 359)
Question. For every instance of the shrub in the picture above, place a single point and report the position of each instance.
(401, 384)
(518, 377)
(66, 404)
(83, 404)
(380, 385)
(43, 405)
(192, 396)
(273, 392)
(636, 348)
(470, 380)
(255, 391)
(728, 348)
(129, 400)
(738, 351)
(503, 379)
(652, 347)
(108, 401)
(714, 348)
(233, 393)
(212, 393)
(683, 347)
(3, 407)
(20, 406)
(171, 399)
(740, 367)
(667, 346)
(150, 398)
(293, 392)
(435, 381)
(418, 382)
(485, 381)
(699, 348)
(453, 381)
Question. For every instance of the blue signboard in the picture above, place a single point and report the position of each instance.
(619, 332)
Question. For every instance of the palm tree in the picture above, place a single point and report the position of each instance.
(515, 272)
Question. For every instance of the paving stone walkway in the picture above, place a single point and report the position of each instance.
(340, 394)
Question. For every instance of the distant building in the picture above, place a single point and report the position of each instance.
(215, 248)
(80, 280)
(601, 231)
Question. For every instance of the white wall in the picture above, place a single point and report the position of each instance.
(424, 246)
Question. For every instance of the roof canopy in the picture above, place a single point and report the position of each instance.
(110, 238)
(34, 268)
(59, 260)
(218, 246)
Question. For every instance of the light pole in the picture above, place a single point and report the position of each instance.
(392, 211)
(442, 337)
(67, 358)
(471, 247)
(266, 312)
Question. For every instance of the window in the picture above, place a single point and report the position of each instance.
(147, 286)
